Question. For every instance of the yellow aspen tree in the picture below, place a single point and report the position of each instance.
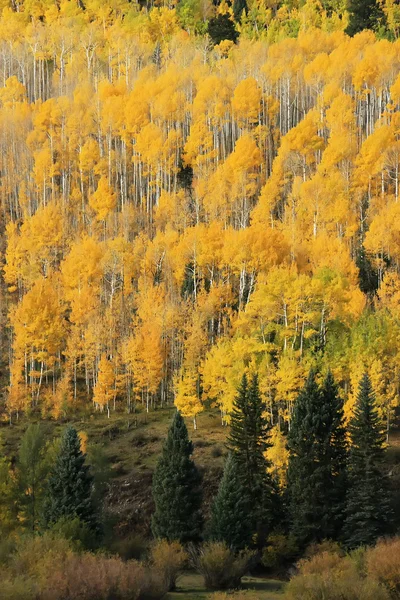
(105, 389)
(187, 394)
(103, 200)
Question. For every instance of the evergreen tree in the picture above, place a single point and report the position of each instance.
(238, 7)
(8, 505)
(317, 462)
(368, 509)
(176, 488)
(230, 514)
(32, 473)
(69, 493)
(222, 28)
(364, 14)
(367, 275)
(333, 453)
(248, 441)
(305, 480)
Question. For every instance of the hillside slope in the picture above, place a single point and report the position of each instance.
(131, 447)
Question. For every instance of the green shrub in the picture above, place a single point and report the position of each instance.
(7, 548)
(18, 588)
(75, 532)
(220, 567)
(168, 559)
(131, 547)
(280, 549)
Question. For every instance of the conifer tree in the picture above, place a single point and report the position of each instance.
(69, 493)
(248, 441)
(230, 516)
(238, 7)
(317, 462)
(222, 28)
(368, 509)
(8, 506)
(334, 454)
(32, 473)
(176, 488)
(364, 14)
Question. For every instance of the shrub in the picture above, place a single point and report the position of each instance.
(132, 547)
(330, 576)
(19, 588)
(35, 556)
(96, 577)
(324, 562)
(216, 451)
(53, 571)
(7, 547)
(327, 546)
(76, 532)
(358, 559)
(280, 549)
(168, 559)
(318, 587)
(220, 567)
(383, 564)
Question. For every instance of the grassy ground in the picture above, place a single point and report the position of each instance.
(190, 587)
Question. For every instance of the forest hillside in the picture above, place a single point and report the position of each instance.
(199, 299)
(177, 211)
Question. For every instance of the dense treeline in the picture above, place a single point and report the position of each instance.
(177, 212)
(334, 487)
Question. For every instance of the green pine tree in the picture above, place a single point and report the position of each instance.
(368, 508)
(69, 492)
(222, 28)
(248, 441)
(8, 504)
(230, 513)
(333, 443)
(317, 463)
(176, 488)
(238, 7)
(32, 472)
(364, 14)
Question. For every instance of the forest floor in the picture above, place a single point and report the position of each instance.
(190, 587)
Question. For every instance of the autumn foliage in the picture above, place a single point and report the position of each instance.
(175, 213)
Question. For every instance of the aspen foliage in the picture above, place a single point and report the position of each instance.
(175, 214)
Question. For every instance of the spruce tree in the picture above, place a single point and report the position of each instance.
(334, 453)
(69, 492)
(317, 463)
(176, 488)
(238, 7)
(364, 14)
(230, 513)
(368, 508)
(248, 441)
(32, 472)
(222, 28)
